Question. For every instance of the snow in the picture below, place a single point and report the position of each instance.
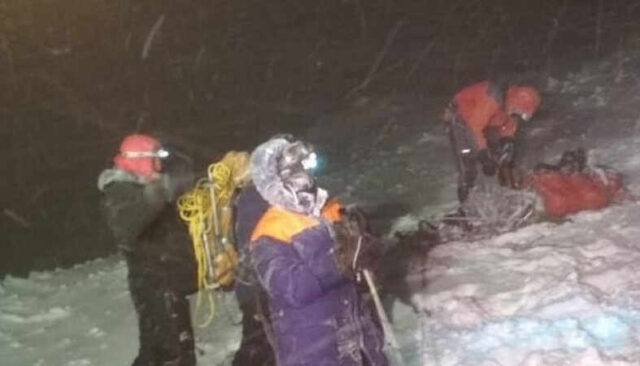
(83, 316)
(544, 295)
(556, 294)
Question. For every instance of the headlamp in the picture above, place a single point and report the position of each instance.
(160, 153)
(310, 162)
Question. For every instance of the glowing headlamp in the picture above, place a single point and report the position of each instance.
(160, 153)
(310, 162)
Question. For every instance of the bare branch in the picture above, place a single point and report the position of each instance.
(17, 218)
(376, 64)
(152, 34)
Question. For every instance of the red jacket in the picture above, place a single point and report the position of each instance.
(479, 110)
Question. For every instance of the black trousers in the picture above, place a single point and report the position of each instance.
(465, 154)
(164, 318)
(255, 348)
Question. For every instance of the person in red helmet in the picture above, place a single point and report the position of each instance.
(141, 155)
(138, 203)
(482, 120)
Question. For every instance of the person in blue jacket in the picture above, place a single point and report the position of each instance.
(318, 316)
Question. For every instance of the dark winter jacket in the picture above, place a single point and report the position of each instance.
(161, 266)
(255, 348)
(317, 314)
(249, 208)
(146, 227)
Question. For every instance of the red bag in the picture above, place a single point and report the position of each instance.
(563, 194)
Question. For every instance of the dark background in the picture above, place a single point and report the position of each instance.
(78, 75)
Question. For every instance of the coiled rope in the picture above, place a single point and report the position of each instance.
(207, 213)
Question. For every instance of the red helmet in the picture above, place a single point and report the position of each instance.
(522, 100)
(138, 155)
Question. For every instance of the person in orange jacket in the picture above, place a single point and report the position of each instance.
(482, 120)
(572, 185)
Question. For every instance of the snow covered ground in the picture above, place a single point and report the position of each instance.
(547, 294)
(83, 316)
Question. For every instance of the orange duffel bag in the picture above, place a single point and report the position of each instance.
(566, 193)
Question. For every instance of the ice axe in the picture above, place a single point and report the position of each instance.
(356, 221)
(389, 336)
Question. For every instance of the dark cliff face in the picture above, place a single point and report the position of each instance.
(208, 76)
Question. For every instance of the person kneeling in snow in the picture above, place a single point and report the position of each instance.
(139, 207)
(550, 191)
(572, 186)
(317, 313)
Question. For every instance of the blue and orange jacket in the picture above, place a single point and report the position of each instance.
(296, 237)
(316, 312)
(480, 107)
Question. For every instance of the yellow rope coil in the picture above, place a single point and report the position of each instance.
(207, 213)
(195, 209)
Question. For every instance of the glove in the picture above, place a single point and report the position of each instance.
(506, 151)
(489, 166)
(355, 248)
(509, 176)
(178, 175)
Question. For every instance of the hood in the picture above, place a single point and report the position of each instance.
(269, 183)
(109, 176)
